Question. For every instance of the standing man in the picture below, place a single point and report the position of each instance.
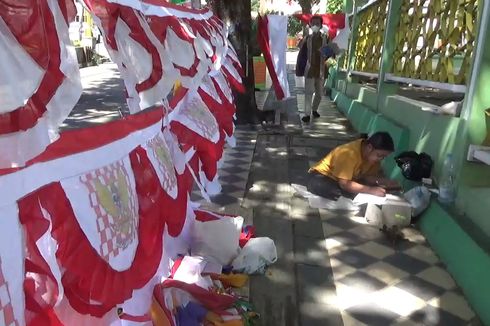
(311, 65)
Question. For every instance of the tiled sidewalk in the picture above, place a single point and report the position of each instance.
(233, 175)
(345, 272)
(378, 284)
(333, 268)
(374, 282)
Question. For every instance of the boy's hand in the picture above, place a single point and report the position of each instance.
(377, 191)
(389, 184)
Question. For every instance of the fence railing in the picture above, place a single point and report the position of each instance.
(370, 37)
(433, 45)
(435, 40)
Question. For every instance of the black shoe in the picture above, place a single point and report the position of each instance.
(306, 118)
(316, 114)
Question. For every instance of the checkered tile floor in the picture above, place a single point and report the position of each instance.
(233, 174)
(381, 284)
(374, 281)
(363, 279)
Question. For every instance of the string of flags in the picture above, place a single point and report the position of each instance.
(97, 223)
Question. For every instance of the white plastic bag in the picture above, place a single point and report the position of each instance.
(217, 241)
(419, 199)
(257, 254)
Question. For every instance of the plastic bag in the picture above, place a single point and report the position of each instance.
(217, 240)
(415, 166)
(257, 254)
(419, 199)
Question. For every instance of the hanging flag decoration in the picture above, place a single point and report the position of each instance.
(342, 38)
(98, 222)
(334, 22)
(272, 36)
(40, 80)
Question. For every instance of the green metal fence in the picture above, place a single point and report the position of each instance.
(433, 44)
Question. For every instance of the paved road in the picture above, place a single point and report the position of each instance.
(103, 97)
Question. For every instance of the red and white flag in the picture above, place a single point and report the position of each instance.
(40, 80)
(272, 36)
(95, 221)
(157, 44)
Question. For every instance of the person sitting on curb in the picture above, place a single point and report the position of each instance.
(353, 168)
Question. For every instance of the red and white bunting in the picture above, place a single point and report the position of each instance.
(40, 81)
(94, 221)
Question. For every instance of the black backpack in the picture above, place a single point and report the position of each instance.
(302, 59)
(415, 166)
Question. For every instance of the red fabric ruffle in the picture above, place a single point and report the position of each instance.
(88, 278)
(32, 24)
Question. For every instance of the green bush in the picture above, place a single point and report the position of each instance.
(335, 6)
(294, 26)
(255, 5)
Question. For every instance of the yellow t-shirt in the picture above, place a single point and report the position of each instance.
(345, 162)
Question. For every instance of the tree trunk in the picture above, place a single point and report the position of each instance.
(306, 9)
(236, 15)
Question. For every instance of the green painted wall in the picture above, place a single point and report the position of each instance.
(430, 133)
(464, 259)
(470, 204)
(352, 90)
(434, 134)
(477, 175)
(368, 97)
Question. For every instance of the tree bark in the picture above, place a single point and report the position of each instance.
(306, 6)
(237, 15)
(306, 9)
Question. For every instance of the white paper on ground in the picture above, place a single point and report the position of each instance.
(301, 190)
(369, 199)
(315, 201)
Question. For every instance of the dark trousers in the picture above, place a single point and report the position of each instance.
(325, 187)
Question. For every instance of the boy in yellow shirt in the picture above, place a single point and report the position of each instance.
(353, 168)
